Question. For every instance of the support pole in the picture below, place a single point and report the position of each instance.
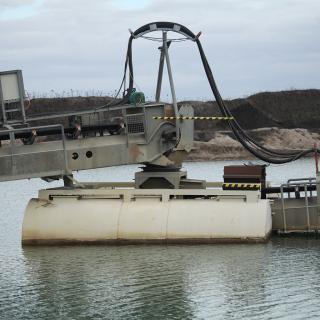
(3, 110)
(21, 93)
(68, 181)
(318, 195)
(316, 157)
(173, 93)
(160, 74)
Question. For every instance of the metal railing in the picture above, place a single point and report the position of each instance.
(298, 184)
(308, 181)
(12, 131)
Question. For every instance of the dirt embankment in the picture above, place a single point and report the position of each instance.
(224, 147)
(278, 120)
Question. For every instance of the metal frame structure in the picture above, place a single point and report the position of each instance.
(142, 140)
(126, 191)
(310, 202)
(164, 57)
(20, 99)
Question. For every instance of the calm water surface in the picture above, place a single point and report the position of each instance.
(277, 280)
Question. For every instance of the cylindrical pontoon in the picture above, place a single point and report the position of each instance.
(103, 214)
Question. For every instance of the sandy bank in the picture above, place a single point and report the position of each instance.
(224, 147)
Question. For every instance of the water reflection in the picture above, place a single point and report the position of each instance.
(177, 282)
(278, 280)
(110, 282)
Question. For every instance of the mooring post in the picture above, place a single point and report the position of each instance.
(316, 157)
(318, 194)
(317, 180)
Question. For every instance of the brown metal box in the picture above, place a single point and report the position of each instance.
(245, 174)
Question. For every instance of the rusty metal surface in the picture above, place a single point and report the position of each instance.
(245, 174)
(188, 241)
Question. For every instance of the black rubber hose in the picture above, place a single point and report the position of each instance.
(243, 138)
(248, 143)
(128, 63)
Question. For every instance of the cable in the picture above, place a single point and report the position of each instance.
(128, 63)
(261, 152)
(252, 146)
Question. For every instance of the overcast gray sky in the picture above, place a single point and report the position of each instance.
(252, 45)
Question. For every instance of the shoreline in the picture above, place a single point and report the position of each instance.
(222, 145)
